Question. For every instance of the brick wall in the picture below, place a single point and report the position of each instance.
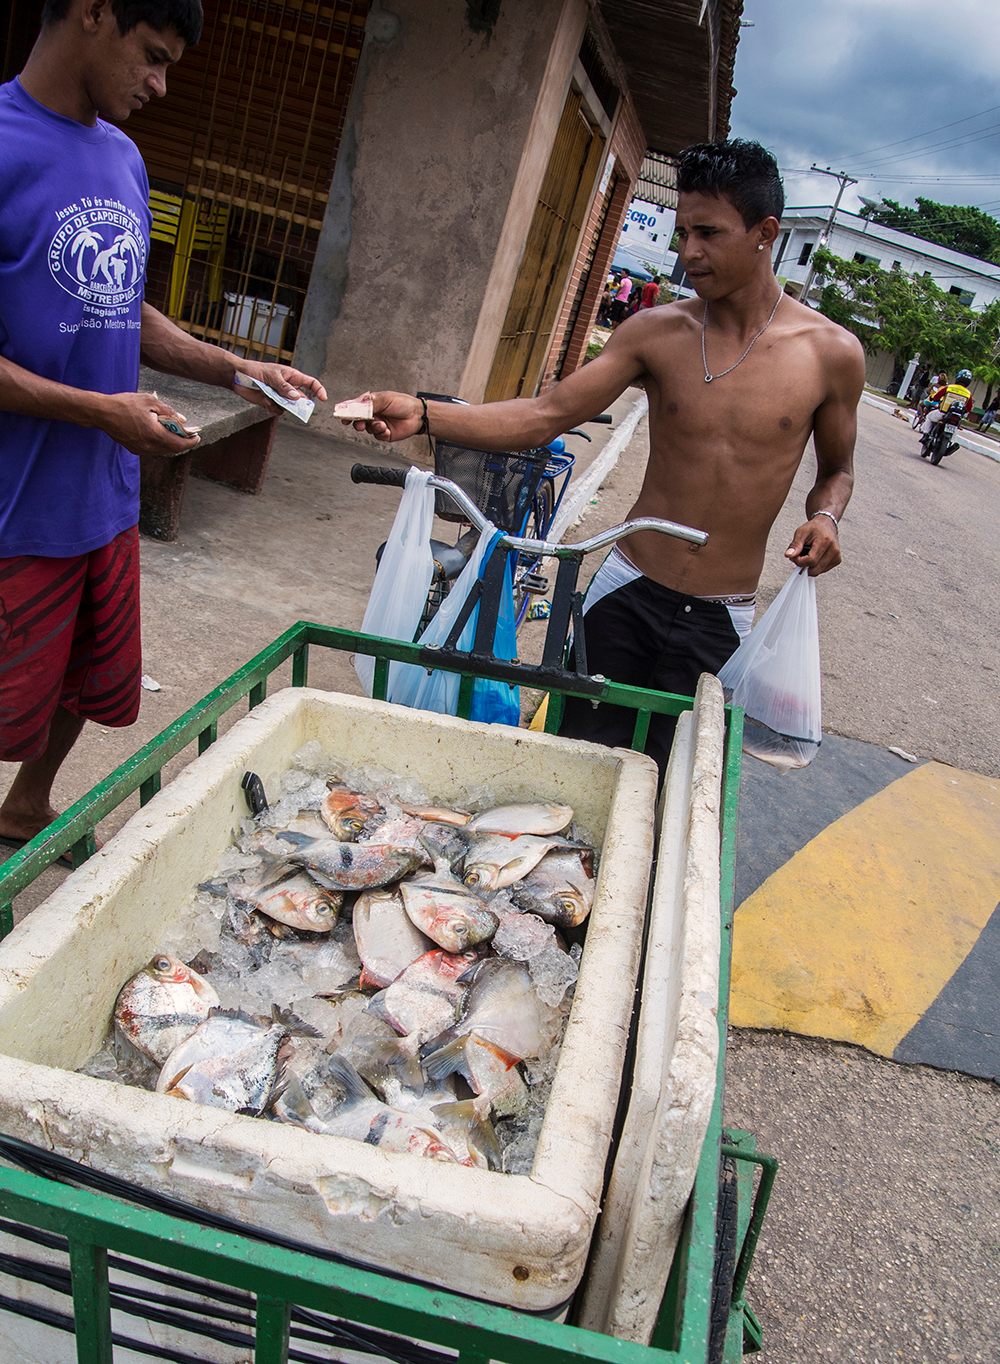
(628, 145)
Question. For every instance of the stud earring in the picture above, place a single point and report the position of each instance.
(760, 247)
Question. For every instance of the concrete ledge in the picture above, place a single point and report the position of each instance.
(218, 411)
(235, 445)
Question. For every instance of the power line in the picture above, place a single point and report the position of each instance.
(859, 156)
(917, 153)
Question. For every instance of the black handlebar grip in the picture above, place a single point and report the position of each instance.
(378, 473)
(604, 419)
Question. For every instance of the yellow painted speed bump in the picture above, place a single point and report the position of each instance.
(857, 934)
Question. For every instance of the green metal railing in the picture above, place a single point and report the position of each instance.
(96, 1224)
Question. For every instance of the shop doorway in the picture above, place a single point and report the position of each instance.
(526, 337)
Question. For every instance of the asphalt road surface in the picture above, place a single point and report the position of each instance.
(883, 1240)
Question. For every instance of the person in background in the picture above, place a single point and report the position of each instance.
(619, 308)
(947, 396)
(74, 241)
(650, 293)
(989, 416)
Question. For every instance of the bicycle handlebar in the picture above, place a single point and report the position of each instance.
(379, 473)
(604, 419)
(396, 478)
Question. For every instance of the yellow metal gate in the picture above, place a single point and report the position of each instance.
(549, 251)
(240, 158)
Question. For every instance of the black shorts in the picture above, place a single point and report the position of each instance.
(647, 635)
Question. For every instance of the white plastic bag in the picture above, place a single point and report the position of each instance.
(438, 691)
(774, 677)
(403, 577)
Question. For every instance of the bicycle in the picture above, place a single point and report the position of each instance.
(567, 601)
(519, 491)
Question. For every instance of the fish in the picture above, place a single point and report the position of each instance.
(345, 812)
(560, 889)
(539, 817)
(263, 841)
(438, 814)
(297, 902)
(351, 866)
(495, 861)
(424, 999)
(387, 939)
(162, 1005)
(364, 1117)
(490, 1072)
(233, 1061)
(435, 842)
(447, 911)
(502, 1007)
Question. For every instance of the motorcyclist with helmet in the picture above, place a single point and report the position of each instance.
(948, 398)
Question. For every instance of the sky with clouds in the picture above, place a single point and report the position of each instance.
(904, 95)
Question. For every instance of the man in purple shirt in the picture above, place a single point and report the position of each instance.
(74, 238)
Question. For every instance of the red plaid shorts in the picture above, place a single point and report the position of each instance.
(69, 636)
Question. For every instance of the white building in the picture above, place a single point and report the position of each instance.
(975, 282)
(646, 233)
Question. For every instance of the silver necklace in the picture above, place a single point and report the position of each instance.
(709, 376)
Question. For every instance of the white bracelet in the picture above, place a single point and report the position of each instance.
(829, 514)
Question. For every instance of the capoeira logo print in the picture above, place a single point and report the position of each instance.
(98, 254)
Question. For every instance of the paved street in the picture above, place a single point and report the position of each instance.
(882, 1242)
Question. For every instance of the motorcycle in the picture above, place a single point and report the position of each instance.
(939, 441)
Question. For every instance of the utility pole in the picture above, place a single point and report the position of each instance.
(845, 180)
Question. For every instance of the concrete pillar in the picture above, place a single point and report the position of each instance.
(447, 137)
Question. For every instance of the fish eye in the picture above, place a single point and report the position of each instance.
(162, 964)
(567, 905)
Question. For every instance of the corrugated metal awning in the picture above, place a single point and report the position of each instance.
(657, 182)
(678, 57)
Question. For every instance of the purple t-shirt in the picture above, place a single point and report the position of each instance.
(74, 239)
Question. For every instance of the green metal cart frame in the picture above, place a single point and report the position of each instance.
(97, 1226)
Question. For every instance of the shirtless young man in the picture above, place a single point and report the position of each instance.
(737, 381)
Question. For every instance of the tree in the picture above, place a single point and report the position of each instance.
(987, 369)
(963, 228)
(909, 315)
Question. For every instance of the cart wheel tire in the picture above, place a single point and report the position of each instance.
(725, 1262)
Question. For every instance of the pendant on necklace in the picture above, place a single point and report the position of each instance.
(709, 378)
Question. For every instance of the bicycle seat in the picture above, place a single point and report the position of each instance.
(449, 559)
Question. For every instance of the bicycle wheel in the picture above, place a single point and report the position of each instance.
(537, 528)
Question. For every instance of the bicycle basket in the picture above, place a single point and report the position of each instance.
(502, 486)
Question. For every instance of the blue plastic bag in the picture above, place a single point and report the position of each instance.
(499, 703)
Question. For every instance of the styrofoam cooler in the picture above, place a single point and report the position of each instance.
(517, 1240)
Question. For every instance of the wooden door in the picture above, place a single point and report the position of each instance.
(549, 251)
